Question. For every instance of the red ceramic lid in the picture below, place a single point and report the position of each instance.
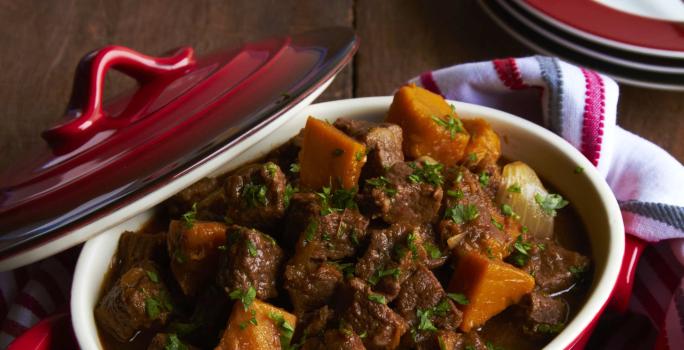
(183, 111)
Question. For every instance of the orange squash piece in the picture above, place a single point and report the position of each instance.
(484, 146)
(260, 327)
(329, 157)
(431, 128)
(490, 285)
(194, 252)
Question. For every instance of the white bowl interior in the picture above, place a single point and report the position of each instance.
(553, 158)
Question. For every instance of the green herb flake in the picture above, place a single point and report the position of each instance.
(549, 328)
(490, 254)
(514, 188)
(287, 195)
(294, 168)
(358, 156)
(383, 184)
(424, 322)
(190, 217)
(521, 252)
(525, 229)
(497, 224)
(579, 170)
(222, 247)
(577, 271)
(339, 200)
(255, 195)
(173, 343)
(472, 156)
(411, 243)
(271, 168)
(380, 273)
(452, 124)
(541, 246)
(363, 334)
(442, 344)
(508, 211)
(491, 346)
(462, 213)
(550, 203)
(459, 298)
(246, 297)
(155, 306)
(456, 194)
(310, 231)
(251, 248)
(432, 250)
(286, 329)
(377, 298)
(484, 178)
(152, 276)
(427, 173)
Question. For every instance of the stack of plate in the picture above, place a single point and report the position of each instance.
(637, 42)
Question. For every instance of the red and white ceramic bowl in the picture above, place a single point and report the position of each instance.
(551, 156)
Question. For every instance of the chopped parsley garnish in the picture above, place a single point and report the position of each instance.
(289, 192)
(358, 156)
(442, 344)
(190, 217)
(579, 170)
(514, 188)
(428, 173)
(339, 200)
(472, 156)
(155, 306)
(541, 246)
(550, 203)
(524, 229)
(521, 252)
(577, 271)
(459, 177)
(411, 243)
(251, 248)
(178, 255)
(456, 194)
(363, 334)
(484, 178)
(508, 211)
(271, 168)
(380, 273)
(377, 298)
(458, 298)
(246, 297)
(491, 346)
(337, 152)
(294, 168)
(497, 224)
(222, 247)
(432, 250)
(173, 343)
(490, 254)
(383, 184)
(152, 276)
(310, 231)
(252, 320)
(461, 213)
(347, 269)
(285, 328)
(451, 124)
(424, 323)
(549, 328)
(254, 194)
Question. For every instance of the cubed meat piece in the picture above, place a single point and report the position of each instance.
(437, 252)
(367, 313)
(137, 301)
(383, 143)
(471, 222)
(183, 201)
(251, 259)
(256, 196)
(286, 155)
(442, 340)
(310, 284)
(555, 268)
(423, 299)
(194, 248)
(469, 341)
(408, 193)
(165, 341)
(257, 326)
(391, 257)
(544, 316)
(135, 247)
(336, 233)
(320, 330)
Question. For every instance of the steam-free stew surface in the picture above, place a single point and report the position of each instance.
(404, 234)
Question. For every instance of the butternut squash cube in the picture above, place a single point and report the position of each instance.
(431, 127)
(484, 146)
(490, 285)
(262, 326)
(329, 157)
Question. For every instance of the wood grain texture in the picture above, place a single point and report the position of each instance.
(42, 42)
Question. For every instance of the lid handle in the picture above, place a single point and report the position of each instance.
(85, 105)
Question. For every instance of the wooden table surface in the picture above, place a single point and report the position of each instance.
(42, 41)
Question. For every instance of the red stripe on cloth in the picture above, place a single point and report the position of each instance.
(661, 340)
(592, 128)
(31, 304)
(508, 73)
(650, 304)
(51, 287)
(664, 272)
(13, 328)
(428, 82)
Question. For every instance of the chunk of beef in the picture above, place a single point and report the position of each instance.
(397, 199)
(391, 257)
(442, 340)
(423, 298)
(194, 250)
(321, 331)
(164, 341)
(256, 195)
(543, 315)
(436, 254)
(285, 155)
(137, 301)
(382, 140)
(252, 259)
(471, 221)
(338, 234)
(183, 201)
(555, 268)
(469, 341)
(310, 284)
(135, 247)
(364, 311)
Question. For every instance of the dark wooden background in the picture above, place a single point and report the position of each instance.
(42, 42)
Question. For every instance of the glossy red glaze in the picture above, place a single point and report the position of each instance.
(622, 291)
(184, 112)
(593, 18)
(53, 332)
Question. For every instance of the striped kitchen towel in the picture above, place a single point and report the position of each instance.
(581, 106)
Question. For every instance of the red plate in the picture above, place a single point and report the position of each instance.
(612, 27)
